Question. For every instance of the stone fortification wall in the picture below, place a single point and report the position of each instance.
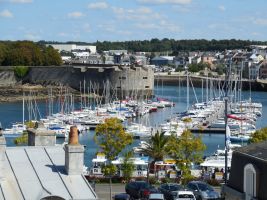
(127, 80)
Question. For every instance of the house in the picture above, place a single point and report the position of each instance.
(44, 170)
(195, 60)
(263, 70)
(208, 58)
(162, 60)
(248, 176)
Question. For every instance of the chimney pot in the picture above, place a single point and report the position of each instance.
(74, 154)
(73, 136)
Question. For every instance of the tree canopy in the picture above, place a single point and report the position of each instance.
(156, 147)
(185, 150)
(168, 45)
(157, 45)
(112, 138)
(27, 53)
(259, 135)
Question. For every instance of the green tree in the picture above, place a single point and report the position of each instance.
(186, 149)
(127, 166)
(23, 139)
(52, 57)
(21, 71)
(155, 148)
(259, 135)
(112, 139)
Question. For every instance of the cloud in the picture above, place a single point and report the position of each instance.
(20, 1)
(141, 14)
(31, 36)
(260, 21)
(222, 8)
(6, 13)
(165, 1)
(98, 5)
(161, 25)
(62, 34)
(75, 15)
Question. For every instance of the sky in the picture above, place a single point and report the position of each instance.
(122, 20)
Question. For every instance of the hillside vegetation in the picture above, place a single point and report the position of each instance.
(157, 45)
(27, 53)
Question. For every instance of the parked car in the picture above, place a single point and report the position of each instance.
(121, 196)
(156, 196)
(185, 195)
(202, 190)
(139, 189)
(170, 190)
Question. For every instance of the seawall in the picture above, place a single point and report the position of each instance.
(255, 85)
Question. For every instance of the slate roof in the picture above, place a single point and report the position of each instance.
(258, 150)
(38, 172)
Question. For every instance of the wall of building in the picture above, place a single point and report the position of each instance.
(239, 161)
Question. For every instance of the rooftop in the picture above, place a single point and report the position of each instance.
(38, 172)
(258, 150)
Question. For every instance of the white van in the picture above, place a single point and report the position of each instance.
(185, 195)
(156, 196)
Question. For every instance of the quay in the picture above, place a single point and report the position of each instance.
(208, 130)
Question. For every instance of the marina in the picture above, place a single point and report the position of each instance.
(154, 119)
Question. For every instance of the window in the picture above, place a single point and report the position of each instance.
(249, 181)
(146, 86)
(145, 77)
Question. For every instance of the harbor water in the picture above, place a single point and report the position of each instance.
(12, 112)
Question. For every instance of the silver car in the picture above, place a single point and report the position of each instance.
(202, 190)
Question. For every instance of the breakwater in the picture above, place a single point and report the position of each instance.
(198, 81)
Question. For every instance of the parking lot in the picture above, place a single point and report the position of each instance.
(102, 190)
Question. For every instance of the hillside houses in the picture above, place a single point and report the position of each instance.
(251, 62)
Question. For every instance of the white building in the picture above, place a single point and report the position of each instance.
(73, 47)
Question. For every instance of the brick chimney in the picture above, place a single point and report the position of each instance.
(40, 136)
(74, 154)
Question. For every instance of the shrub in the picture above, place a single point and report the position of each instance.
(21, 71)
(152, 180)
(213, 182)
(166, 180)
(210, 74)
(187, 178)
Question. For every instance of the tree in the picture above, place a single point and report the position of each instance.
(112, 139)
(185, 150)
(21, 71)
(127, 166)
(155, 148)
(259, 135)
(23, 139)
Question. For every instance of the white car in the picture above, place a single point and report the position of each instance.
(156, 196)
(185, 195)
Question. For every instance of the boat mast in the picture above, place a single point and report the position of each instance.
(187, 87)
(23, 108)
(227, 78)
